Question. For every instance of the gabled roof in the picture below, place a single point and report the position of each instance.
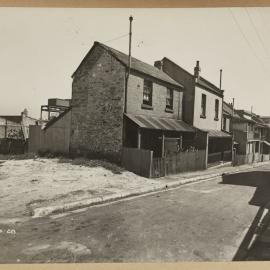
(201, 80)
(136, 65)
(12, 118)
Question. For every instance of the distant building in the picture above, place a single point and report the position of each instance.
(14, 132)
(16, 126)
(249, 133)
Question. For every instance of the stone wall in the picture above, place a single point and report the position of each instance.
(97, 106)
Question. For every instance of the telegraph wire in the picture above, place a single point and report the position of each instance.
(257, 32)
(116, 38)
(246, 39)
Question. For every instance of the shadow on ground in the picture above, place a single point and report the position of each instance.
(256, 243)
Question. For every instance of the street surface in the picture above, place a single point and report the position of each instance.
(206, 221)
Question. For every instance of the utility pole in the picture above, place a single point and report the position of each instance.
(126, 82)
(129, 62)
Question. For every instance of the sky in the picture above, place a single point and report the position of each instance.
(40, 48)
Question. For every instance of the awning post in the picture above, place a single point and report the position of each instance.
(163, 145)
(139, 138)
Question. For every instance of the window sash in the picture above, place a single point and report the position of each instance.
(203, 105)
(169, 98)
(147, 92)
(216, 108)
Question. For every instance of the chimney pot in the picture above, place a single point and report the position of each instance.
(197, 70)
(159, 64)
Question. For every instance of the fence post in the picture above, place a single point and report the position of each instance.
(206, 151)
(151, 165)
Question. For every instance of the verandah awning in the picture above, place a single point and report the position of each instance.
(217, 134)
(169, 124)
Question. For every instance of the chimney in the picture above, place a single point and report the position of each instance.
(220, 78)
(159, 64)
(197, 70)
(24, 112)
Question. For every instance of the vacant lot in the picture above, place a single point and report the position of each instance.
(32, 183)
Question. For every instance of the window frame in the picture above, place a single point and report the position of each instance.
(203, 106)
(147, 91)
(169, 98)
(216, 109)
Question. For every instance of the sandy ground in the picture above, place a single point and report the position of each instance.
(32, 183)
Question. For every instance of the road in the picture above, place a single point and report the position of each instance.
(206, 221)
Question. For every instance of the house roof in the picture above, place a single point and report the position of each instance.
(12, 118)
(201, 80)
(136, 65)
(55, 119)
(217, 133)
(149, 122)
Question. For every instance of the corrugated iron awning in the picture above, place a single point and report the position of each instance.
(266, 142)
(150, 122)
(218, 134)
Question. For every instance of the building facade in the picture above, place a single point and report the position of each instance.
(202, 108)
(115, 107)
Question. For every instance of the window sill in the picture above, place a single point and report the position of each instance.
(202, 116)
(169, 110)
(216, 119)
(146, 107)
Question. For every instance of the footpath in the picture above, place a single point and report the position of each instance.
(126, 191)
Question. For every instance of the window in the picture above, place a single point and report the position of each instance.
(203, 106)
(224, 123)
(147, 92)
(169, 99)
(216, 109)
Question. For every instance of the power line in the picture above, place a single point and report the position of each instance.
(116, 38)
(246, 39)
(257, 32)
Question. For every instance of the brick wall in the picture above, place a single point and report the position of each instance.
(135, 99)
(97, 105)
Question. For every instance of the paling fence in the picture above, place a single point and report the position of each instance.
(143, 163)
(220, 156)
(180, 162)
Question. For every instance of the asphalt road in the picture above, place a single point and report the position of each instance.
(207, 221)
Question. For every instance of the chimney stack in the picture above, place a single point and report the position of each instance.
(24, 112)
(159, 64)
(220, 78)
(197, 70)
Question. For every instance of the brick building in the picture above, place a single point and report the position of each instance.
(103, 121)
(202, 107)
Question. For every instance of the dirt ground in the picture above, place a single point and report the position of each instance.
(31, 183)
